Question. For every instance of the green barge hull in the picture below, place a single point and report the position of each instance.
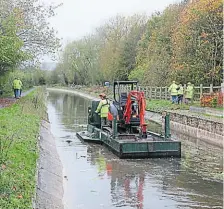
(130, 146)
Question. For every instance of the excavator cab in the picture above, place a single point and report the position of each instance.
(131, 107)
(121, 88)
(120, 91)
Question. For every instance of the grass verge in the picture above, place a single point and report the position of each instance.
(164, 105)
(19, 130)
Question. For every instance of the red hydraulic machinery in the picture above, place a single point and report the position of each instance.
(135, 108)
(131, 107)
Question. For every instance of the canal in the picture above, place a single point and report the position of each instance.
(94, 178)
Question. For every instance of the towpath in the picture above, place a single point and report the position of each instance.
(7, 101)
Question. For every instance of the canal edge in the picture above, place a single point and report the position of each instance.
(49, 186)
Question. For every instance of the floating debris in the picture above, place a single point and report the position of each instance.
(68, 141)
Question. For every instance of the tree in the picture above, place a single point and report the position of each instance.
(197, 42)
(182, 43)
(11, 52)
(155, 48)
(33, 27)
(25, 34)
(128, 49)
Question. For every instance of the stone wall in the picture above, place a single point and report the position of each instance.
(207, 130)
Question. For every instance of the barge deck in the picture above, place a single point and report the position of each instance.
(130, 146)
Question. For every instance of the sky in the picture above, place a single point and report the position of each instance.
(77, 18)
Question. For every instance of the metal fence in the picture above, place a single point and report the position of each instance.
(162, 92)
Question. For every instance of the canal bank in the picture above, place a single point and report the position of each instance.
(93, 173)
(27, 154)
(208, 130)
(49, 192)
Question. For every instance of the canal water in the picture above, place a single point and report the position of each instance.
(94, 178)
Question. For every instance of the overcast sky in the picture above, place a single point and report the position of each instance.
(77, 18)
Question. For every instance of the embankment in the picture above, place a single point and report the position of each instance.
(31, 172)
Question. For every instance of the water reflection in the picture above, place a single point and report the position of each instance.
(133, 182)
(98, 179)
(197, 155)
(73, 110)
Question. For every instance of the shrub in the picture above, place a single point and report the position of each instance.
(212, 100)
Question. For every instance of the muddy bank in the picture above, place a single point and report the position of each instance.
(49, 192)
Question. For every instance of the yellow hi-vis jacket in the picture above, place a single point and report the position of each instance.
(103, 108)
(173, 89)
(180, 91)
(189, 92)
(17, 84)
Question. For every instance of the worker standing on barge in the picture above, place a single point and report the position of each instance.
(103, 109)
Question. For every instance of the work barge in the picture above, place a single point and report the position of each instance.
(128, 137)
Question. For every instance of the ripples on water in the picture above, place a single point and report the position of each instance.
(97, 179)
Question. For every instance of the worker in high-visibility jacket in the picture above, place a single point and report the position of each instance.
(17, 85)
(21, 86)
(189, 93)
(180, 94)
(103, 109)
(173, 91)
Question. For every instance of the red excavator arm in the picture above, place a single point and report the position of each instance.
(139, 97)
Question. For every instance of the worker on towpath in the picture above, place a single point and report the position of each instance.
(173, 91)
(17, 86)
(189, 93)
(180, 94)
(21, 86)
(103, 109)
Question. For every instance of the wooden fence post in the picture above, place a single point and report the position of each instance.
(155, 93)
(166, 91)
(211, 88)
(201, 90)
(222, 87)
(147, 92)
(185, 86)
(150, 92)
(160, 92)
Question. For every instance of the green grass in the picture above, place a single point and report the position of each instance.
(219, 108)
(214, 108)
(163, 105)
(19, 130)
(213, 116)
